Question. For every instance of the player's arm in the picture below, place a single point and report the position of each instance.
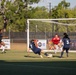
(35, 42)
(61, 43)
(70, 41)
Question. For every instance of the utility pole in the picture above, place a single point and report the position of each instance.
(49, 9)
(65, 16)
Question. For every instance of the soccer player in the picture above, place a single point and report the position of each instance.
(66, 41)
(56, 41)
(1, 42)
(50, 45)
(37, 50)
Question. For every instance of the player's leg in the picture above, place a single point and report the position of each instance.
(3, 47)
(62, 52)
(67, 52)
(41, 56)
(56, 48)
(39, 52)
(60, 46)
(46, 54)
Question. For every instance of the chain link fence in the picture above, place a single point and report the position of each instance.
(21, 37)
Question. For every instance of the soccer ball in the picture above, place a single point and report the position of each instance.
(49, 55)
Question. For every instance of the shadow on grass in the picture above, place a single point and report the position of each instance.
(37, 68)
(28, 56)
(56, 56)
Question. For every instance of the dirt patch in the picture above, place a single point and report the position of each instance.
(18, 46)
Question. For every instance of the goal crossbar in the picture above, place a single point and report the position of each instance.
(59, 23)
(51, 19)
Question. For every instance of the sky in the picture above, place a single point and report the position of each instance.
(54, 3)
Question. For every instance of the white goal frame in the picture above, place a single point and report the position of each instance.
(45, 20)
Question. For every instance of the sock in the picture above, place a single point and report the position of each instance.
(62, 54)
(61, 49)
(55, 51)
(56, 48)
(3, 48)
(41, 56)
(67, 54)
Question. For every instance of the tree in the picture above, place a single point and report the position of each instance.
(60, 10)
(63, 11)
(39, 12)
(16, 12)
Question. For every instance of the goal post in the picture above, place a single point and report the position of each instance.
(27, 34)
(59, 21)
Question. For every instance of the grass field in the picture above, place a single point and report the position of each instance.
(16, 62)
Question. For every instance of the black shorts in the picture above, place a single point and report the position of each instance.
(37, 51)
(66, 49)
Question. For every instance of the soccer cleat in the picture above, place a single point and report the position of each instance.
(49, 56)
(60, 57)
(45, 54)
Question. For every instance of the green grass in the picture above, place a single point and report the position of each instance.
(15, 62)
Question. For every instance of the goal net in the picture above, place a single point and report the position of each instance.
(42, 30)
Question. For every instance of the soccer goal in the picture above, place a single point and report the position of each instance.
(44, 29)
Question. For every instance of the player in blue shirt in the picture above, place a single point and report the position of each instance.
(66, 44)
(36, 50)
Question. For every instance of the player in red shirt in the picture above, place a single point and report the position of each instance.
(56, 41)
